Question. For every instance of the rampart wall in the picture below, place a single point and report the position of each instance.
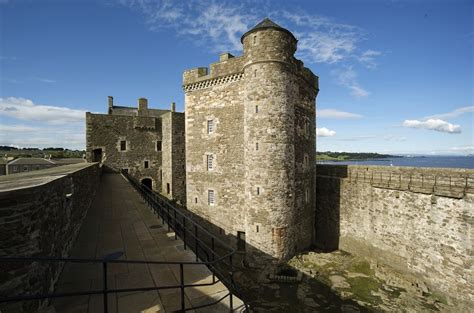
(417, 220)
(40, 215)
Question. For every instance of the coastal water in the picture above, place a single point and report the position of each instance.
(417, 161)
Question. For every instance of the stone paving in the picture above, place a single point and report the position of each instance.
(119, 221)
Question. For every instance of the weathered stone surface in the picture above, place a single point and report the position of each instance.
(263, 108)
(398, 215)
(141, 128)
(40, 215)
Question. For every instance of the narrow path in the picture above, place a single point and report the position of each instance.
(119, 221)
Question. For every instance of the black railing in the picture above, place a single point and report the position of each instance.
(210, 251)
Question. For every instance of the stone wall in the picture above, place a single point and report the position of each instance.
(40, 215)
(417, 220)
(141, 129)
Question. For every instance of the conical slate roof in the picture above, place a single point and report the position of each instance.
(266, 23)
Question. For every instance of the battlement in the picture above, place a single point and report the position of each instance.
(448, 182)
(227, 65)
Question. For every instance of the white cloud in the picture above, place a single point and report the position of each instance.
(394, 138)
(324, 132)
(48, 125)
(348, 77)
(17, 128)
(434, 124)
(358, 138)
(368, 58)
(44, 80)
(453, 114)
(466, 149)
(219, 25)
(336, 114)
(24, 109)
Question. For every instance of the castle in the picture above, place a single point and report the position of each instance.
(246, 141)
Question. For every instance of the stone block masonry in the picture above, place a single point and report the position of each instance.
(250, 136)
(40, 215)
(417, 220)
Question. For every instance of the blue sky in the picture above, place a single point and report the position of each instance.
(395, 76)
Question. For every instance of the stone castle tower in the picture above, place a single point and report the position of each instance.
(250, 144)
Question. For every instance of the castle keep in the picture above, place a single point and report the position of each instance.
(148, 143)
(250, 144)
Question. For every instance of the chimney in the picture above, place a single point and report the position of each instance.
(111, 104)
(142, 106)
(173, 107)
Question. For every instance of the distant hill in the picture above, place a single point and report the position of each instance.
(39, 153)
(347, 156)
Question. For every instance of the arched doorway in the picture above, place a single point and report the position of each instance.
(97, 155)
(147, 182)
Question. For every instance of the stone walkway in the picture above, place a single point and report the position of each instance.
(120, 222)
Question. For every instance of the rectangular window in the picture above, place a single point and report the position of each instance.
(256, 146)
(257, 229)
(241, 241)
(168, 188)
(258, 191)
(306, 161)
(123, 145)
(145, 164)
(210, 126)
(210, 162)
(210, 197)
(158, 146)
(306, 195)
(256, 109)
(196, 200)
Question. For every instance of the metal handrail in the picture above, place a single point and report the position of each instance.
(158, 203)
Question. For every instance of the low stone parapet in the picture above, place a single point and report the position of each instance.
(41, 213)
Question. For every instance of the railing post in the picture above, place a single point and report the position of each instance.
(196, 241)
(168, 217)
(213, 248)
(104, 270)
(231, 302)
(175, 227)
(181, 277)
(184, 232)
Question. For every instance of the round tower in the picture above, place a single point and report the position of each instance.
(271, 90)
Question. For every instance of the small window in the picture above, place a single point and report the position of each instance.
(254, 39)
(255, 73)
(258, 191)
(210, 126)
(256, 146)
(195, 200)
(123, 145)
(25, 168)
(257, 228)
(158, 145)
(307, 129)
(241, 241)
(256, 109)
(146, 164)
(306, 161)
(210, 162)
(168, 188)
(210, 197)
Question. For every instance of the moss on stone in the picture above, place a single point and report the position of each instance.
(362, 267)
(362, 288)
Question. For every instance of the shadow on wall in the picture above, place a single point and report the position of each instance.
(259, 288)
(328, 206)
